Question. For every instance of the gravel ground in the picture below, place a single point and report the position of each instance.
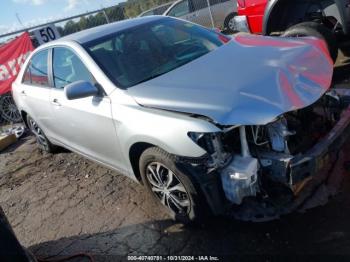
(63, 204)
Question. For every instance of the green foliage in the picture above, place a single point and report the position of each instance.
(129, 9)
(114, 13)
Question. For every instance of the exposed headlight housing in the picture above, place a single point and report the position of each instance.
(212, 144)
(204, 140)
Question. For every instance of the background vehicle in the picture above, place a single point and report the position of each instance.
(159, 10)
(197, 11)
(328, 19)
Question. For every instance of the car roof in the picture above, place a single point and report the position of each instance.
(104, 30)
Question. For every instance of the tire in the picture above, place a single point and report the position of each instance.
(228, 23)
(195, 208)
(43, 142)
(316, 30)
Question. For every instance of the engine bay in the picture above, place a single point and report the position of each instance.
(272, 161)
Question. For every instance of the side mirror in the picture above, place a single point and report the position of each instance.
(80, 89)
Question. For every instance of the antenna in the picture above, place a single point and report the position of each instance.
(19, 20)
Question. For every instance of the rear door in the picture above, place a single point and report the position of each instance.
(85, 124)
(35, 90)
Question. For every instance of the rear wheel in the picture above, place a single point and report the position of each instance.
(230, 23)
(42, 141)
(171, 187)
(316, 30)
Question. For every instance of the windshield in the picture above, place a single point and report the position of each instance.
(144, 52)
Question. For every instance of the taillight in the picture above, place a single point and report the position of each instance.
(241, 3)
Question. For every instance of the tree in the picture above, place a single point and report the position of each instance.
(128, 9)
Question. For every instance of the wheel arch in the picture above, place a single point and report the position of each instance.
(135, 153)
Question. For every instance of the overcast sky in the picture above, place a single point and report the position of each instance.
(33, 12)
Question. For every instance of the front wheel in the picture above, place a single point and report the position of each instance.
(171, 187)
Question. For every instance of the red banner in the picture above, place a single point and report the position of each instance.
(12, 57)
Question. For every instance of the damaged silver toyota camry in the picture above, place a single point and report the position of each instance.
(208, 124)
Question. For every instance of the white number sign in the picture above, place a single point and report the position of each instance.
(46, 34)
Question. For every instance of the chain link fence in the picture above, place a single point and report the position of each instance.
(209, 13)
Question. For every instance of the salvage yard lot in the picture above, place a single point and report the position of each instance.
(64, 204)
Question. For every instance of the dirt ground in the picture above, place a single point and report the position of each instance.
(64, 204)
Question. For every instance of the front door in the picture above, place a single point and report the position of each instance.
(84, 124)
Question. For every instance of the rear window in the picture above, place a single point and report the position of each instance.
(141, 53)
(36, 72)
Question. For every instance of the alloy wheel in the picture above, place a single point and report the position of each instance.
(40, 137)
(168, 188)
(231, 24)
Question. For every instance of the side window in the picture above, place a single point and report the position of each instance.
(36, 72)
(181, 9)
(68, 68)
(199, 4)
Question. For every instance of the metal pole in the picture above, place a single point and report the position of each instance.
(19, 20)
(211, 15)
(106, 16)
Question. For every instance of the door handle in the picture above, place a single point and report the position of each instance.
(55, 102)
(23, 93)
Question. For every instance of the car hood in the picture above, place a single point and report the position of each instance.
(249, 81)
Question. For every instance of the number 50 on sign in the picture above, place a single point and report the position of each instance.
(46, 34)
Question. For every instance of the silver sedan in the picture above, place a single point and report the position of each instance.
(206, 122)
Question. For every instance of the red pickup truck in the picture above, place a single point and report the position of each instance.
(327, 19)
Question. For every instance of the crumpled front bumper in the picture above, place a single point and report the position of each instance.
(307, 173)
(315, 163)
